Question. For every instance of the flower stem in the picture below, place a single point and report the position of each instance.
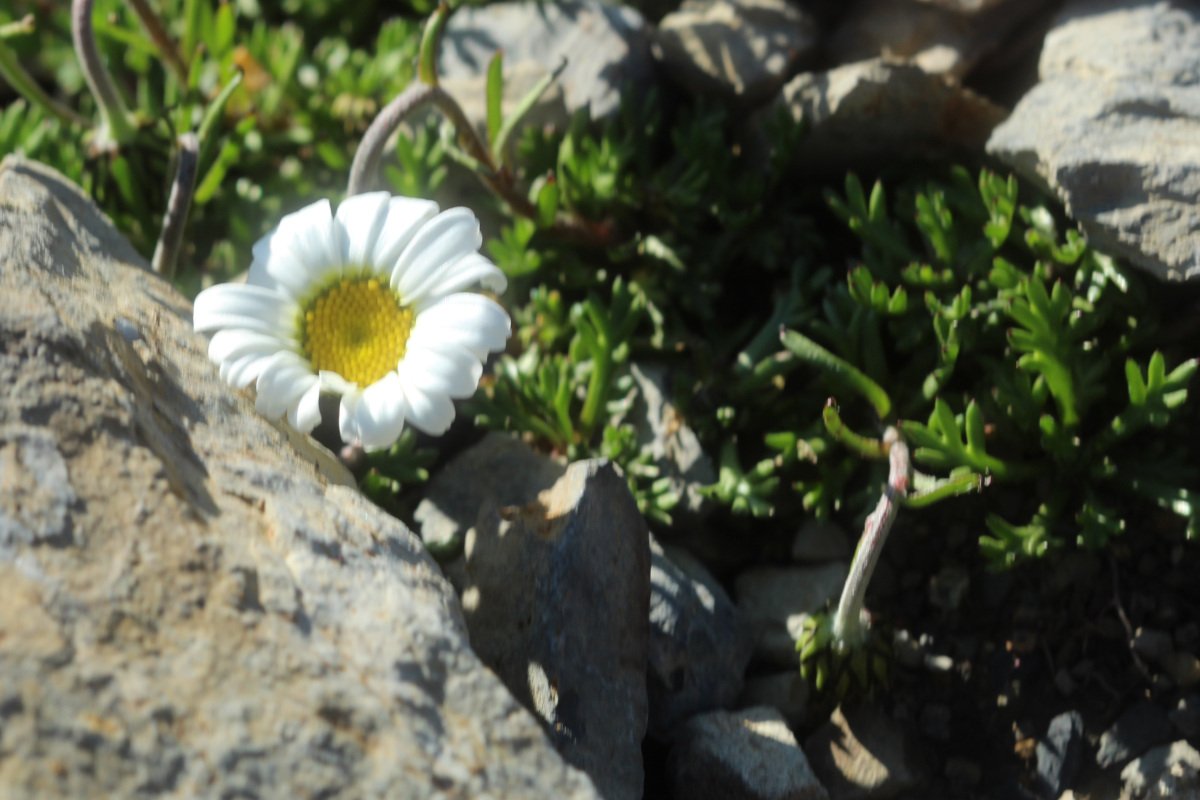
(115, 126)
(497, 178)
(20, 80)
(166, 252)
(849, 625)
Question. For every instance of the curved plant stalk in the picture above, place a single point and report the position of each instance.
(166, 252)
(116, 127)
(425, 91)
(158, 34)
(15, 76)
(849, 623)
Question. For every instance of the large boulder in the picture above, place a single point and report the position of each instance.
(191, 605)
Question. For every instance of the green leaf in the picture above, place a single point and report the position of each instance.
(811, 352)
(430, 41)
(1010, 544)
(505, 131)
(495, 97)
(213, 114)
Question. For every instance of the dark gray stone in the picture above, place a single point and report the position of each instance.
(938, 39)
(197, 603)
(606, 47)
(497, 471)
(699, 643)
(1186, 716)
(863, 754)
(740, 49)
(1137, 730)
(1060, 754)
(741, 755)
(776, 601)
(872, 112)
(674, 446)
(1112, 129)
(820, 541)
(786, 692)
(558, 604)
(1153, 644)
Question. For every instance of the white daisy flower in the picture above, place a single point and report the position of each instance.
(367, 304)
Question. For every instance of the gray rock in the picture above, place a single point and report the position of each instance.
(1137, 730)
(872, 112)
(607, 48)
(786, 692)
(1154, 644)
(1165, 771)
(861, 754)
(1060, 754)
(741, 755)
(558, 605)
(699, 643)
(741, 49)
(820, 541)
(1113, 128)
(1184, 669)
(949, 587)
(499, 470)
(1186, 716)
(776, 600)
(673, 445)
(937, 37)
(192, 605)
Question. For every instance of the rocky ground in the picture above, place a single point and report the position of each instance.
(296, 640)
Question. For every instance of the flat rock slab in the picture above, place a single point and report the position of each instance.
(191, 605)
(1113, 128)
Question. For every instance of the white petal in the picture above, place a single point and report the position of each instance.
(281, 382)
(234, 343)
(332, 383)
(439, 243)
(381, 413)
(472, 320)
(305, 413)
(361, 218)
(241, 372)
(405, 215)
(448, 370)
(431, 413)
(305, 250)
(230, 305)
(348, 416)
(468, 271)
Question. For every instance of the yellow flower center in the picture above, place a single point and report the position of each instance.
(357, 328)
